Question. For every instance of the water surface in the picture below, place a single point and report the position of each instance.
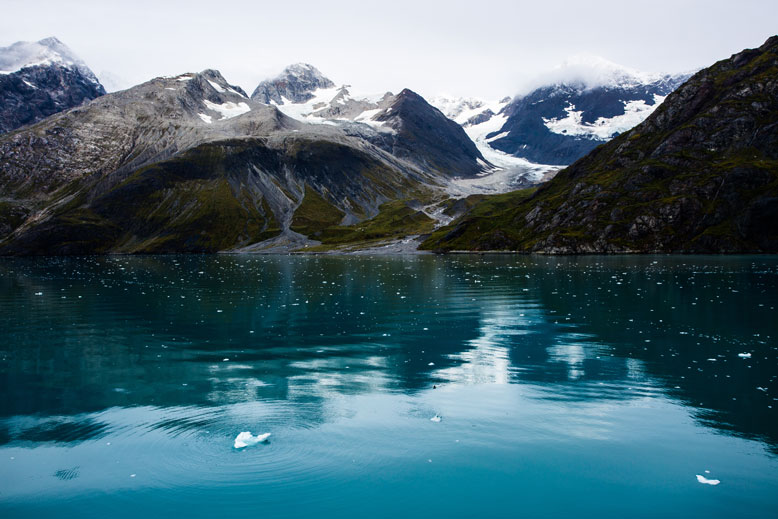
(587, 387)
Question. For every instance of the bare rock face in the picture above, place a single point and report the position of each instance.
(698, 175)
(422, 132)
(295, 84)
(38, 79)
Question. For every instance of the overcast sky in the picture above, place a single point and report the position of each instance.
(484, 48)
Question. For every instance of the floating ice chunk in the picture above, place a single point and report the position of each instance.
(744, 355)
(38, 293)
(706, 481)
(245, 439)
(437, 418)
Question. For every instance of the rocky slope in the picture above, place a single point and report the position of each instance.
(38, 79)
(422, 133)
(189, 164)
(700, 174)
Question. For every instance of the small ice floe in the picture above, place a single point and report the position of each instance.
(245, 439)
(706, 481)
(38, 293)
(437, 418)
(744, 355)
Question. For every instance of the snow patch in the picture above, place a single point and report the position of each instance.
(603, 129)
(207, 118)
(229, 109)
(216, 86)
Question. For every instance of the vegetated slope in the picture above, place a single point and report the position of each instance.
(699, 175)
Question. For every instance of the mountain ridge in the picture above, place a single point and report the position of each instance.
(699, 175)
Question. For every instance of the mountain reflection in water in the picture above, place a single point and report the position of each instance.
(183, 346)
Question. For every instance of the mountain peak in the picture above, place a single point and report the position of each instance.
(41, 78)
(295, 84)
(303, 69)
(46, 52)
(587, 72)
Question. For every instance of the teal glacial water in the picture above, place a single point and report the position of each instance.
(564, 386)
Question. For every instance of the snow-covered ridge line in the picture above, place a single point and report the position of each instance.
(589, 72)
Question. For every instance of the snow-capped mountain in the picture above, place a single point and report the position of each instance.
(403, 124)
(565, 114)
(38, 79)
(468, 111)
(295, 84)
(309, 96)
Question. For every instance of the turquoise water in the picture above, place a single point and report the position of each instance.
(584, 387)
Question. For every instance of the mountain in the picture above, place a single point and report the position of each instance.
(189, 163)
(38, 79)
(562, 115)
(422, 132)
(426, 137)
(295, 84)
(699, 175)
(405, 125)
(576, 108)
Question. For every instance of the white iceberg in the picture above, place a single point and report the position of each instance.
(435, 418)
(245, 439)
(744, 355)
(706, 481)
